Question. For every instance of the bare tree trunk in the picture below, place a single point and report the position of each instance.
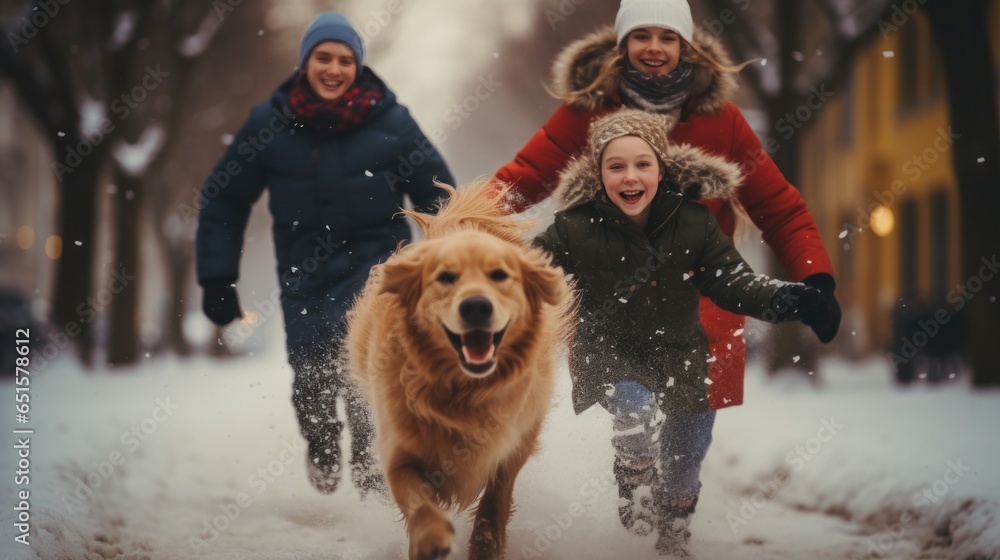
(124, 340)
(74, 279)
(790, 345)
(960, 31)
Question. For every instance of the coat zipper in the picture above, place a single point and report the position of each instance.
(653, 233)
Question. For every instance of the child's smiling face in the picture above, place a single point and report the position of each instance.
(653, 50)
(631, 174)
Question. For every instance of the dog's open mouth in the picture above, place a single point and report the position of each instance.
(477, 349)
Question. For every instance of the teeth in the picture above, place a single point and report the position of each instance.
(653, 62)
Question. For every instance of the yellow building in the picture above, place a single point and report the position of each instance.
(877, 173)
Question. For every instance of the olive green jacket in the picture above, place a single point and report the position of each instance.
(639, 295)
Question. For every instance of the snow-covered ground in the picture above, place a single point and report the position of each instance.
(202, 459)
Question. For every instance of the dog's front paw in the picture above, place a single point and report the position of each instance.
(485, 543)
(432, 536)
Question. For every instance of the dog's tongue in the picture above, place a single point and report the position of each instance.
(477, 346)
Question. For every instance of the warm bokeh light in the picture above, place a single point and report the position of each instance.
(53, 247)
(25, 237)
(883, 221)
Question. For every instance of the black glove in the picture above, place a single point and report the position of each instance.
(824, 322)
(220, 303)
(808, 303)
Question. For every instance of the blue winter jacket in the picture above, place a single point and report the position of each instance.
(334, 198)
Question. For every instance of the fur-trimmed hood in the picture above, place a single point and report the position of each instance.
(698, 176)
(580, 64)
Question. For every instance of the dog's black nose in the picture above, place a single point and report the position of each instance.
(476, 311)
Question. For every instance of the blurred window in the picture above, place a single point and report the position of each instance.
(921, 67)
(908, 239)
(908, 55)
(940, 238)
(847, 119)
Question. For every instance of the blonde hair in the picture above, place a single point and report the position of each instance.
(608, 74)
(691, 52)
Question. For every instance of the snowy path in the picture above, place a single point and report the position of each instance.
(795, 473)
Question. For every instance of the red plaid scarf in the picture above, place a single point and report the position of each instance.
(342, 114)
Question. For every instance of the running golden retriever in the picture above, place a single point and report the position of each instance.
(454, 343)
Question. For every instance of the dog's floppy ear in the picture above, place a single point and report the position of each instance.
(543, 283)
(401, 275)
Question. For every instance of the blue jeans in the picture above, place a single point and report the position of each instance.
(677, 442)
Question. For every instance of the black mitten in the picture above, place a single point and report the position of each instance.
(220, 302)
(825, 322)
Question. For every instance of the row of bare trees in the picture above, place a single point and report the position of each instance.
(115, 79)
(110, 86)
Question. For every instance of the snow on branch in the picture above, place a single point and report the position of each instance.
(194, 45)
(135, 159)
(124, 27)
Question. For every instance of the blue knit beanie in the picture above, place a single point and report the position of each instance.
(331, 26)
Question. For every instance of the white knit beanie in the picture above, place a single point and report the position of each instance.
(674, 15)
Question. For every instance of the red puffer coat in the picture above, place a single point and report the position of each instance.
(708, 121)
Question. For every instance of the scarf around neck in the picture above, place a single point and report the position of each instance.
(657, 94)
(344, 113)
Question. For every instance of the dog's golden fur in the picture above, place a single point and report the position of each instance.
(445, 436)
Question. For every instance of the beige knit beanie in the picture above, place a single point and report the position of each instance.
(651, 127)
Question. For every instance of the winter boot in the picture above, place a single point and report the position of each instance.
(323, 459)
(635, 494)
(674, 518)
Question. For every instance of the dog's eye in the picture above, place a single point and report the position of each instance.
(447, 278)
(498, 275)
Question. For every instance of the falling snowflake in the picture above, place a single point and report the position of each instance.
(795, 359)
(368, 173)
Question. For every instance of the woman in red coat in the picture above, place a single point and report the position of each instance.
(654, 60)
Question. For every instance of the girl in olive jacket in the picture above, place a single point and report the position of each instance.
(656, 60)
(642, 256)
